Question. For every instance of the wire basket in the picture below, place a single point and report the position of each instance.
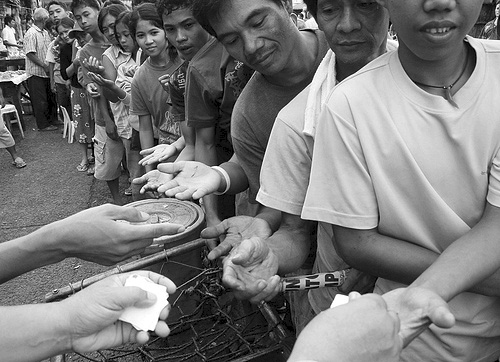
(207, 323)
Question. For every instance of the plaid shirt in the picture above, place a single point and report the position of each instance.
(36, 41)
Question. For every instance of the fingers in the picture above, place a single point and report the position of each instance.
(155, 278)
(220, 250)
(140, 180)
(151, 231)
(211, 243)
(442, 317)
(162, 329)
(172, 168)
(214, 231)
(172, 189)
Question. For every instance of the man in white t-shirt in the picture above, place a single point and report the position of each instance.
(9, 35)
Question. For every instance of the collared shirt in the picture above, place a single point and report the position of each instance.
(36, 41)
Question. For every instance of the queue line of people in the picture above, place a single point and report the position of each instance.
(359, 153)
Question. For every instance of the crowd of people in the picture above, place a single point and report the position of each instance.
(329, 147)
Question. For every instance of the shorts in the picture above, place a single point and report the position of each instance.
(6, 139)
(108, 155)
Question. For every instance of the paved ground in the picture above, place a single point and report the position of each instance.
(48, 189)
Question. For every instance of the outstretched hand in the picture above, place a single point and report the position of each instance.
(233, 231)
(152, 180)
(191, 179)
(417, 309)
(92, 314)
(93, 65)
(156, 154)
(100, 80)
(250, 271)
(107, 234)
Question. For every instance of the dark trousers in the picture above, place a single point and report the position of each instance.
(43, 101)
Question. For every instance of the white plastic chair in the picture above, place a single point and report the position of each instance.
(69, 128)
(11, 109)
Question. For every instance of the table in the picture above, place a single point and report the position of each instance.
(14, 61)
(10, 82)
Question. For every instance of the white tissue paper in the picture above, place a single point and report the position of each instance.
(339, 300)
(145, 319)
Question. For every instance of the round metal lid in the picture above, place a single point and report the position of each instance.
(173, 211)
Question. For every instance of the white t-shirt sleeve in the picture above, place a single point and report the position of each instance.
(493, 196)
(340, 188)
(285, 170)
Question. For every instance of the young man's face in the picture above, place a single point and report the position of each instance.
(432, 29)
(184, 32)
(12, 23)
(56, 12)
(258, 33)
(87, 18)
(356, 30)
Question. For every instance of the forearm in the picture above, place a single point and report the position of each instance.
(36, 60)
(146, 136)
(271, 216)
(206, 154)
(291, 242)
(33, 332)
(21, 255)
(382, 256)
(239, 180)
(404, 262)
(113, 93)
(471, 259)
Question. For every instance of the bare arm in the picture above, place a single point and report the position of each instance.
(189, 136)
(404, 262)
(470, 263)
(32, 56)
(92, 235)
(146, 135)
(205, 152)
(291, 242)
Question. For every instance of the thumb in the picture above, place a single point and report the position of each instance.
(125, 297)
(171, 167)
(213, 231)
(442, 317)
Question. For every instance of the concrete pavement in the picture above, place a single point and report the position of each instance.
(48, 189)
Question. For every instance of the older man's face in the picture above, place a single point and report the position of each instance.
(257, 33)
(356, 30)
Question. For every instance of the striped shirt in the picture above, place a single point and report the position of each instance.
(36, 41)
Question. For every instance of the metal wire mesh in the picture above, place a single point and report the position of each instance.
(208, 324)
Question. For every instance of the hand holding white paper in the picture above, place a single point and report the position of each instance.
(145, 319)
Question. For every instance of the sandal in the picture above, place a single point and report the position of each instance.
(82, 167)
(19, 162)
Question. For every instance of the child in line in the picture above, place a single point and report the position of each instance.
(128, 125)
(80, 110)
(149, 99)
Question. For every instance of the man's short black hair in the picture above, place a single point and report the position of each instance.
(8, 19)
(206, 10)
(168, 6)
(95, 4)
(57, 2)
